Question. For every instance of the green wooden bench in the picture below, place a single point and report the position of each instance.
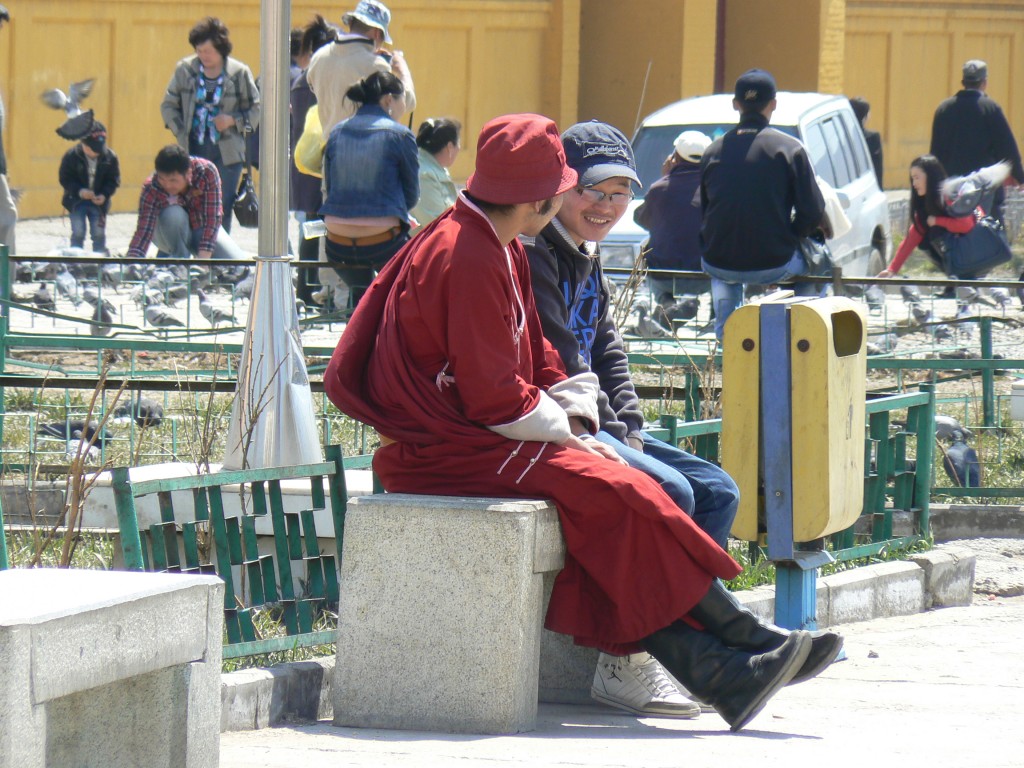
(254, 583)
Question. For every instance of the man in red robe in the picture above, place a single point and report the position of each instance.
(446, 359)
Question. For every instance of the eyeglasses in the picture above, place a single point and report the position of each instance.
(596, 196)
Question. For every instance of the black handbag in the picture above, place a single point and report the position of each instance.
(973, 253)
(816, 253)
(247, 206)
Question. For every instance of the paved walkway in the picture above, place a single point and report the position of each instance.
(937, 689)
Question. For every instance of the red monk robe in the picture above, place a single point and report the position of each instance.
(445, 356)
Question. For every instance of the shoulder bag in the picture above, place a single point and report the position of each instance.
(973, 253)
(247, 206)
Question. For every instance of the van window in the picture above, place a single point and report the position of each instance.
(652, 145)
(839, 151)
(818, 152)
(856, 135)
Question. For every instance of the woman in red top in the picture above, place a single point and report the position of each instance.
(927, 211)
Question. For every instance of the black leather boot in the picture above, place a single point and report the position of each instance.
(736, 683)
(734, 624)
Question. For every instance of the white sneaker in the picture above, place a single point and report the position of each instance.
(638, 684)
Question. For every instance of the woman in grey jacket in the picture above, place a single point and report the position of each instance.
(208, 102)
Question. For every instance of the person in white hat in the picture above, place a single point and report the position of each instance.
(672, 216)
(353, 56)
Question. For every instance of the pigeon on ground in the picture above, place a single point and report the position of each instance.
(145, 412)
(212, 314)
(44, 299)
(920, 314)
(647, 327)
(67, 286)
(1000, 296)
(91, 296)
(79, 446)
(102, 317)
(668, 309)
(161, 318)
(945, 426)
(942, 332)
(961, 462)
(875, 297)
(243, 288)
(911, 294)
(66, 431)
(111, 276)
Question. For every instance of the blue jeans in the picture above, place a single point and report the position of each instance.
(357, 265)
(703, 490)
(727, 286)
(87, 211)
(174, 238)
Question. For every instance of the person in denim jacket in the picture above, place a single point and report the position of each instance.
(371, 181)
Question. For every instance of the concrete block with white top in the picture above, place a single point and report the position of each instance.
(111, 669)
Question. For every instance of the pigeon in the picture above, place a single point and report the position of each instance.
(213, 315)
(146, 412)
(945, 426)
(962, 194)
(110, 276)
(920, 314)
(102, 317)
(668, 309)
(91, 296)
(44, 299)
(79, 446)
(875, 297)
(176, 293)
(1000, 296)
(942, 332)
(243, 288)
(911, 294)
(647, 327)
(146, 297)
(161, 318)
(961, 462)
(134, 273)
(71, 101)
(67, 286)
(66, 430)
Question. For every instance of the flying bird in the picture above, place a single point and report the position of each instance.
(71, 101)
(962, 194)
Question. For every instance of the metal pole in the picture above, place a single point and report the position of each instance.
(988, 383)
(275, 26)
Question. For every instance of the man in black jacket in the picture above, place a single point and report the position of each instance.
(574, 307)
(970, 131)
(758, 197)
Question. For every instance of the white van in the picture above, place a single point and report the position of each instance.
(830, 132)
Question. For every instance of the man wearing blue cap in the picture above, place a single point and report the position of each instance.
(575, 312)
(758, 198)
(353, 56)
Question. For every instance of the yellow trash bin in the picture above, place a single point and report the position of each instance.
(828, 372)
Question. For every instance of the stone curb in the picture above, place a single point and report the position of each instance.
(942, 577)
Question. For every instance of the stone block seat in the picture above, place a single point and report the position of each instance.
(441, 613)
(109, 669)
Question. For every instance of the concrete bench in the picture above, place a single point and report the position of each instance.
(111, 669)
(441, 614)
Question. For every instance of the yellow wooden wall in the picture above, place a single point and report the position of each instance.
(905, 58)
(470, 59)
(474, 59)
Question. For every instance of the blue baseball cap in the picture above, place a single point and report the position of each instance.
(755, 87)
(597, 152)
(373, 14)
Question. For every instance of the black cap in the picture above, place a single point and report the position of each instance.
(755, 88)
(598, 151)
(975, 71)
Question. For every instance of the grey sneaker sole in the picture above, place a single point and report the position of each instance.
(677, 712)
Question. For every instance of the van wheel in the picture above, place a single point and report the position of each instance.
(876, 262)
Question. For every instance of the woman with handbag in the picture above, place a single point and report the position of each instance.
(962, 246)
(209, 103)
(370, 182)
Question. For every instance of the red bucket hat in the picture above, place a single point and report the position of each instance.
(520, 159)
